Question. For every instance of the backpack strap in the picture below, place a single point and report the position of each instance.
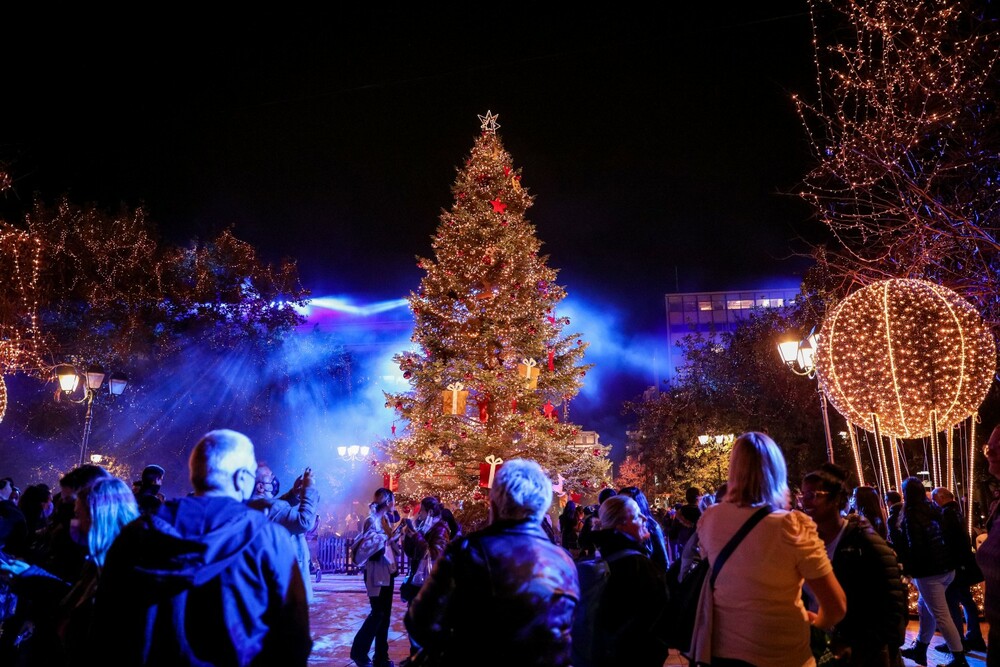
(735, 540)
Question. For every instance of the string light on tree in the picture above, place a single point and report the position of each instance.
(902, 129)
(483, 317)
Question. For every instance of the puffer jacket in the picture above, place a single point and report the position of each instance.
(504, 595)
(922, 549)
(877, 599)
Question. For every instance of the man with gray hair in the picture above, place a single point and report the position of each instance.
(504, 595)
(205, 580)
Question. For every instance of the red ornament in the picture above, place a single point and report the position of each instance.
(407, 375)
(498, 206)
(394, 428)
(399, 405)
(585, 484)
(464, 435)
(513, 405)
(552, 359)
(410, 463)
(583, 373)
(506, 171)
(597, 452)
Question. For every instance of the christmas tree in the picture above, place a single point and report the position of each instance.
(495, 368)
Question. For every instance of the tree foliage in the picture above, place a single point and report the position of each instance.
(731, 383)
(83, 283)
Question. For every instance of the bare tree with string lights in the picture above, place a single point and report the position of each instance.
(904, 133)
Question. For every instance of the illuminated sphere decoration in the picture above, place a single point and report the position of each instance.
(903, 350)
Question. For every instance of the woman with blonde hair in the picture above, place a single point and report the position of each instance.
(753, 613)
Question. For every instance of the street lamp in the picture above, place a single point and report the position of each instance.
(353, 453)
(800, 357)
(69, 379)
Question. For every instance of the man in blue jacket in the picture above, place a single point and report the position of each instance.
(206, 580)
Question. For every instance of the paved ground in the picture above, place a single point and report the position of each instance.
(341, 606)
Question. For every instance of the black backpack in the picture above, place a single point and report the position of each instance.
(684, 594)
(593, 575)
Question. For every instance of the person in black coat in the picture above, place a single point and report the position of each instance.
(503, 595)
(685, 520)
(867, 569)
(927, 561)
(632, 615)
(967, 573)
(656, 543)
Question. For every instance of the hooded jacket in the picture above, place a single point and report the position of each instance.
(205, 581)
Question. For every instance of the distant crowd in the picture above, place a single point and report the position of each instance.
(102, 570)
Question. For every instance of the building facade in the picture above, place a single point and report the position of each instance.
(714, 313)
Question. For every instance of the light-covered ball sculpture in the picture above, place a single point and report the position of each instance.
(910, 352)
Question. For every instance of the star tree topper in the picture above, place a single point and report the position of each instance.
(489, 122)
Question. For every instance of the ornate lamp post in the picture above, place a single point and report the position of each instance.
(69, 379)
(800, 357)
(353, 453)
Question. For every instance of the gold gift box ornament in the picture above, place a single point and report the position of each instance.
(528, 369)
(453, 399)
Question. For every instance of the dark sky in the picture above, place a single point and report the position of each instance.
(656, 145)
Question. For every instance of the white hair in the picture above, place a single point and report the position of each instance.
(521, 490)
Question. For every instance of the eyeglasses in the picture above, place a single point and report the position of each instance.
(812, 495)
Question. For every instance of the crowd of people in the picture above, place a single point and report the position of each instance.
(221, 575)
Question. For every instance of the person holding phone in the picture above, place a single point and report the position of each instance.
(295, 510)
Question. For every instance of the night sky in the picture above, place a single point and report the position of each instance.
(660, 148)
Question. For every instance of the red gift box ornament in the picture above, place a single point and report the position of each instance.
(488, 470)
(390, 482)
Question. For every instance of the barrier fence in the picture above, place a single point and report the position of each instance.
(333, 556)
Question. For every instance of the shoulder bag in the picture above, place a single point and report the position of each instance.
(700, 617)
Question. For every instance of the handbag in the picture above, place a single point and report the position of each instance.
(409, 588)
(367, 545)
(700, 649)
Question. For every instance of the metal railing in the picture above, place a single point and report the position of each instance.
(333, 553)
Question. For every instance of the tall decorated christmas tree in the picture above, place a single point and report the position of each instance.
(495, 368)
